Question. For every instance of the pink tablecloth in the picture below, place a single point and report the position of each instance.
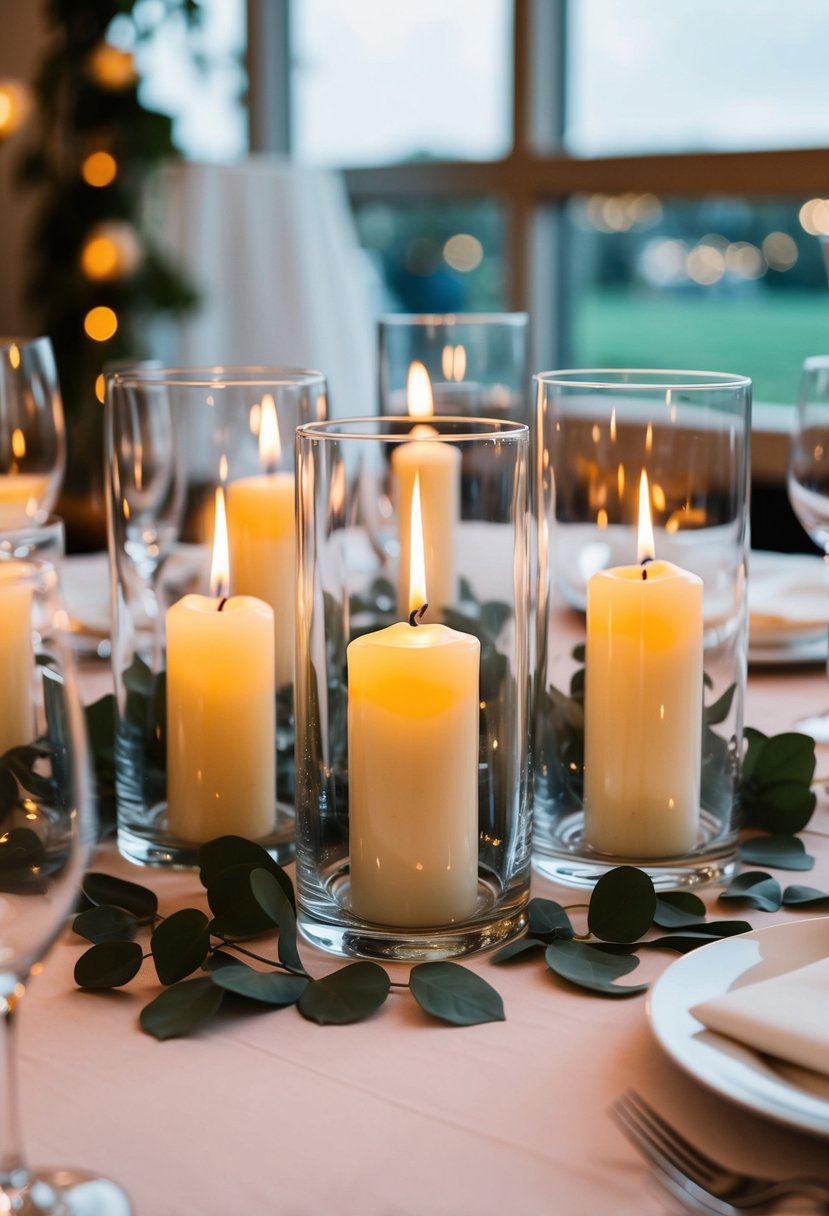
(397, 1116)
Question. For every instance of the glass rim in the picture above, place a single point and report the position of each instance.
(7, 341)
(217, 376)
(661, 378)
(454, 318)
(479, 428)
(35, 571)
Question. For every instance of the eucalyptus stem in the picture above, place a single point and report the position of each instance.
(277, 964)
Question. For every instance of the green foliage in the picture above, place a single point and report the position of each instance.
(349, 995)
(754, 889)
(783, 852)
(588, 967)
(453, 994)
(775, 789)
(622, 905)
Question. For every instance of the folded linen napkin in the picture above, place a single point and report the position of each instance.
(788, 596)
(786, 1016)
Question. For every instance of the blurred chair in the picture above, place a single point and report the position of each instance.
(271, 246)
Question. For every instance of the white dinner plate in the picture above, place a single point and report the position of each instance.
(766, 1086)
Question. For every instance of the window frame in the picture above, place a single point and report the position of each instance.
(536, 177)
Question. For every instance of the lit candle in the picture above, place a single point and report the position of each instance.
(413, 708)
(16, 658)
(438, 465)
(221, 751)
(261, 517)
(643, 705)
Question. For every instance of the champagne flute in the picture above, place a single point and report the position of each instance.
(46, 836)
(808, 478)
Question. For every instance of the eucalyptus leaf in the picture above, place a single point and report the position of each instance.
(105, 923)
(267, 987)
(680, 941)
(775, 783)
(782, 852)
(218, 959)
(180, 1010)
(546, 919)
(108, 965)
(227, 852)
(805, 896)
(349, 995)
(521, 948)
(235, 907)
(180, 944)
(719, 928)
(622, 905)
(675, 909)
(272, 900)
(106, 889)
(713, 715)
(587, 967)
(453, 994)
(755, 888)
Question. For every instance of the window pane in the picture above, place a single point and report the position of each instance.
(731, 285)
(390, 80)
(196, 75)
(435, 257)
(650, 75)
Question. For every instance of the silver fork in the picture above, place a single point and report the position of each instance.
(696, 1179)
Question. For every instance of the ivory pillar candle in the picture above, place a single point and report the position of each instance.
(221, 748)
(643, 710)
(261, 517)
(413, 709)
(16, 658)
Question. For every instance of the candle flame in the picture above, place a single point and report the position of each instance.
(459, 362)
(220, 565)
(419, 392)
(645, 547)
(417, 558)
(270, 444)
(18, 442)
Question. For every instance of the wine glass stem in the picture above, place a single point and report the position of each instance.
(13, 1171)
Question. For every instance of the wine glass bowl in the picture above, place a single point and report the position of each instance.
(808, 476)
(46, 837)
(32, 435)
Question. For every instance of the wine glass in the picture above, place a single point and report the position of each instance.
(32, 435)
(808, 478)
(46, 836)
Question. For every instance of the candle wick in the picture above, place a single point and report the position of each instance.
(416, 615)
(222, 603)
(644, 576)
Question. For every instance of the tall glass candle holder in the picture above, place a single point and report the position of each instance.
(413, 830)
(640, 666)
(201, 524)
(475, 365)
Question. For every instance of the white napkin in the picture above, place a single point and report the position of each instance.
(788, 596)
(786, 1016)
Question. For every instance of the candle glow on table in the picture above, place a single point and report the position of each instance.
(438, 466)
(413, 709)
(221, 750)
(261, 518)
(16, 658)
(643, 705)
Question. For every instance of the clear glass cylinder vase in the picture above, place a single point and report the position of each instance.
(413, 829)
(464, 364)
(640, 665)
(201, 525)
